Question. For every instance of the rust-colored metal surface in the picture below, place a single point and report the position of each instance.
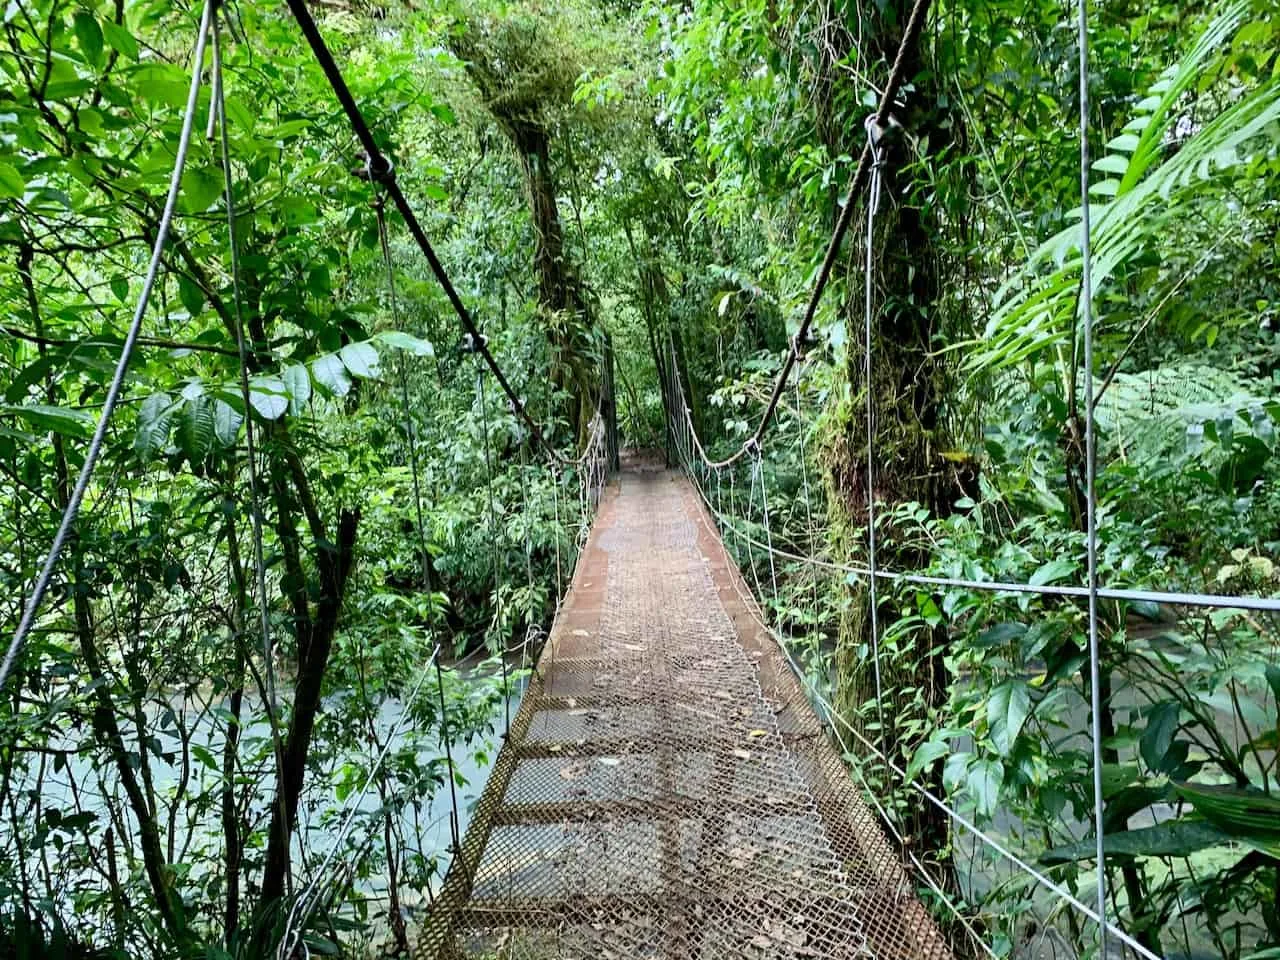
(666, 790)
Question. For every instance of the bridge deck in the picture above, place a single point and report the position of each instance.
(666, 790)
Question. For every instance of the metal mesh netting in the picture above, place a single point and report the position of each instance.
(666, 791)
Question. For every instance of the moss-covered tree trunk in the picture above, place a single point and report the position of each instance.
(525, 77)
(559, 290)
(907, 385)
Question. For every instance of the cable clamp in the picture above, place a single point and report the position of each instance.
(878, 133)
(376, 169)
(801, 346)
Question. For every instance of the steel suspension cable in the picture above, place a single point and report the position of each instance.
(116, 387)
(382, 171)
(873, 202)
(768, 532)
(1123, 594)
(808, 506)
(1003, 851)
(218, 116)
(530, 626)
(499, 619)
(1205, 600)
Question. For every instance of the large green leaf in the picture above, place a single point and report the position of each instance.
(269, 397)
(1007, 710)
(1173, 838)
(63, 420)
(361, 359)
(154, 419)
(89, 36)
(925, 755)
(197, 427)
(1245, 814)
(226, 423)
(983, 784)
(298, 383)
(407, 342)
(120, 39)
(11, 182)
(1162, 724)
(331, 374)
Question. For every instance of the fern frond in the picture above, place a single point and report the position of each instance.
(1034, 309)
(1149, 413)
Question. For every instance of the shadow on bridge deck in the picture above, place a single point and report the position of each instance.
(666, 790)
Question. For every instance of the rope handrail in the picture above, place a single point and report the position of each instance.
(1173, 598)
(1125, 594)
(835, 719)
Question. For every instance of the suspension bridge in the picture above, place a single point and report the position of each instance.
(672, 784)
(666, 789)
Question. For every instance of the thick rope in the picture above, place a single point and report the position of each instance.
(116, 387)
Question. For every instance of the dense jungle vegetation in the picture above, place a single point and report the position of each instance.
(236, 632)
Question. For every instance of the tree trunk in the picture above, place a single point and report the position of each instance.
(907, 384)
(559, 289)
(334, 559)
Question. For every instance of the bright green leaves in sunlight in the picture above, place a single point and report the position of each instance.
(208, 417)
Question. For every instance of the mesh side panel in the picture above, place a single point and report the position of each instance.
(666, 790)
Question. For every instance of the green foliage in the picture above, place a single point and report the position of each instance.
(690, 158)
(147, 678)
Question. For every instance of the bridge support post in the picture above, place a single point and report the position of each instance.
(609, 407)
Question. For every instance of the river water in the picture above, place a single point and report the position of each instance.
(195, 836)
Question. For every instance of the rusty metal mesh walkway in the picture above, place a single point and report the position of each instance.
(666, 790)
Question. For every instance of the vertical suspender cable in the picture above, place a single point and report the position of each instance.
(218, 115)
(411, 438)
(873, 202)
(808, 510)
(72, 510)
(768, 536)
(1091, 466)
(555, 489)
(493, 538)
